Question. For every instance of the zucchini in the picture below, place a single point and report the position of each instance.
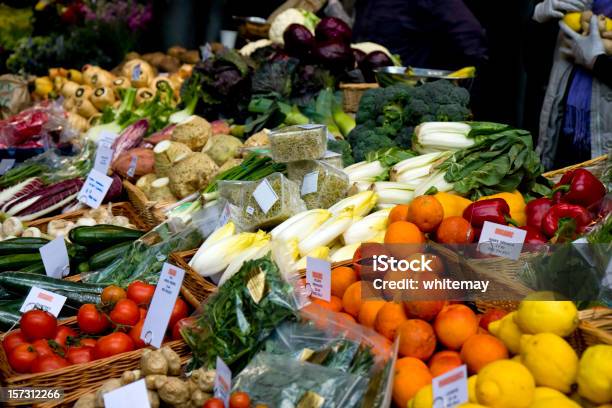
(104, 258)
(38, 268)
(23, 245)
(9, 313)
(79, 292)
(102, 235)
(18, 261)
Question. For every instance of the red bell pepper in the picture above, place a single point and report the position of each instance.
(536, 210)
(534, 236)
(580, 187)
(553, 220)
(493, 210)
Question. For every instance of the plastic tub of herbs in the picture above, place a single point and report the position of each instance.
(321, 185)
(302, 142)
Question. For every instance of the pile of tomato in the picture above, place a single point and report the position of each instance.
(104, 330)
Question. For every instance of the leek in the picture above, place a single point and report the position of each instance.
(360, 203)
(367, 228)
(390, 192)
(327, 232)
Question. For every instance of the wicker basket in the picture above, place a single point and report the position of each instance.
(149, 211)
(199, 287)
(78, 379)
(124, 208)
(352, 93)
(595, 166)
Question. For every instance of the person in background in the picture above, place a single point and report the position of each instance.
(576, 118)
(425, 33)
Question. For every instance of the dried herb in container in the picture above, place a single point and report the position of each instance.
(303, 142)
(321, 185)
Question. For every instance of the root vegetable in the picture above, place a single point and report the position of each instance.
(139, 72)
(108, 386)
(32, 232)
(160, 191)
(153, 399)
(101, 78)
(121, 83)
(153, 362)
(258, 139)
(83, 92)
(68, 89)
(144, 162)
(120, 221)
(173, 359)
(144, 95)
(69, 104)
(144, 183)
(191, 174)
(130, 376)
(155, 381)
(199, 397)
(85, 108)
(221, 148)
(167, 153)
(86, 221)
(75, 120)
(194, 132)
(174, 391)
(103, 214)
(12, 226)
(57, 228)
(103, 97)
(203, 380)
(86, 401)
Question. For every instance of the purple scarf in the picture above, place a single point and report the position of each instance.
(577, 121)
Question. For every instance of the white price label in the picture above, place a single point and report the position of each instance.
(318, 278)
(104, 152)
(45, 300)
(501, 240)
(450, 388)
(95, 188)
(136, 72)
(310, 183)
(55, 258)
(6, 165)
(129, 396)
(133, 163)
(160, 309)
(225, 215)
(223, 381)
(265, 196)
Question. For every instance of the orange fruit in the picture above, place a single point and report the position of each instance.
(341, 278)
(424, 309)
(416, 339)
(411, 374)
(403, 232)
(444, 361)
(334, 304)
(454, 325)
(388, 319)
(395, 295)
(346, 317)
(369, 310)
(399, 213)
(482, 349)
(455, 230)
(426, 212)
(355, 295)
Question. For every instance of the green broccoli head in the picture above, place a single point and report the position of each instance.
(370, 104)
(364, 140)
(342, 147)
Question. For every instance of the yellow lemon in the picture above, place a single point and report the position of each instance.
(558, 402)
(471, 386)
(543, 314)
(517, 358)
(410, 403)
(595, 374)
(505, 384)
(551, 360)
(423, 398)
(573, 21)
(508, 332)
(541, 393)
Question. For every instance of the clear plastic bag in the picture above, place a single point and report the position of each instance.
(301, 142)
(321, 185)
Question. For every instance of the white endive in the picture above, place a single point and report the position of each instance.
(218, 256)
(390, 192)
(367, 228)
(345, 253)
(257, 250)
(358, 187)
(410, 183)
(300, 225)
(435, 181)
(364, 171)
(360, 203)
(225, 231)
(327, 232)
(321, 252)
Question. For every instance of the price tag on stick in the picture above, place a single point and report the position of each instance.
(55, 258)
(129, 396)
(43, 299)
(95, 188)
(104, 152)
(160, 309)
(318, 278)
(501, 240)
(223, 381)
(450, 388)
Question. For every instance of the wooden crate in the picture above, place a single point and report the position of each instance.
(149, 211)
(197, 286)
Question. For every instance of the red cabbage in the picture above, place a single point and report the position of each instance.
(298, 40)
(372, 61)
(332, 28)
(334, 54)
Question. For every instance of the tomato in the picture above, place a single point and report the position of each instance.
(38, 324)
(214, 403)
(114, 343)
(12, 340)
(43, 348)
(140, 292)
(239, 399)
(178, 326)
(113, 294)
(87, 342)
(179, 311)
(134, 334)
(63, 332)
(22, 358)
(78, 355)
(91, 320)
(49, 363)
(143, 313)
(125, 313)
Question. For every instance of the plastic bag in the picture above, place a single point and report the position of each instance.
(301, 142)
(321, 185)
(14, 95)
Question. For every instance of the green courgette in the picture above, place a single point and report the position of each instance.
(104, 258)
(18, 261)
(23, 245)
(9, 313)
(38, 268)
(102, 235)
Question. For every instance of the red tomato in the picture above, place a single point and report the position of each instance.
(38, 324)
(22, 358)
(125, 313)
(49, 363)
(91, 320)
(43, 348)
(12, 340)
(134, 333)
(178, 326)
(63, 332)
(143, 313)
(87, 342)
(140, 292)
(490, 316)
(78, 355)
(179, 311)
(113, 294)
(214, 403)
(112, 344)
(240, 399)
